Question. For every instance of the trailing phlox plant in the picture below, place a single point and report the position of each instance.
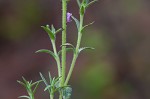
(60, 83)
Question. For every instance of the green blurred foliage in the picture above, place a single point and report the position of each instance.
(97, 38)
(95, 79)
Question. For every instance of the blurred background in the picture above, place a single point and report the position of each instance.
(118, 68)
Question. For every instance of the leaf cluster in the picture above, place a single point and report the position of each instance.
(54, 86)
(51, 31)
(84, 5)
(28, 85)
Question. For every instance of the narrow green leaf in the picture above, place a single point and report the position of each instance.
(23, 84)
(50, 33)
(30, 82)
(59, 30)
(57, 79)
(67, 49)
(57, 84)
(46, 51)
(52, 83)
(76, 21)
(83, 48)
(90, 3)
(44, 80)
(36, 86)
(35, 83)
(68, 44)
(25, 81)
(53, 29)
(24, 97)
(79, 3)
(86, 26)
(50, 77)
(46, 83)
(47, 87)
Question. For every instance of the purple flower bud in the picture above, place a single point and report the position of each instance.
(69, 17)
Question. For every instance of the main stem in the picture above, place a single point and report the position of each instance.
(64, 12)
(51, 96)
(77, 51)
(64, 26)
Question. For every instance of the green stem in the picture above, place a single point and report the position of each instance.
(31, 96)
(64, 12)
(77, 49)
(60, 96)
(57, 58)
(79, 33)
(71, 69)
(51, 96)
(64, 26)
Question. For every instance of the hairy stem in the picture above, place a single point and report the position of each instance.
(64, 11)
(57, 58)
(51, 96)
(64, 26)
(77, 50)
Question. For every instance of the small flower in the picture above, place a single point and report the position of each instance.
(69, 17)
